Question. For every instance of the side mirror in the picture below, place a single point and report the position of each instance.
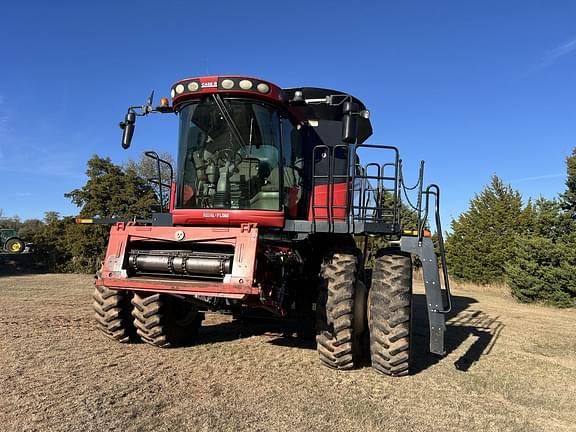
(350, 122)
(128, 129)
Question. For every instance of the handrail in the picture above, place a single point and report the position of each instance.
(158, 180)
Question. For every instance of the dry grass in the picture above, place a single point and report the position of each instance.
(510, 367)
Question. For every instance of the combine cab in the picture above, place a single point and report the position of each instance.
(269, 198)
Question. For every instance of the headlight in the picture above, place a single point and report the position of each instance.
(227, 84)
(263, 88)
(246, 84)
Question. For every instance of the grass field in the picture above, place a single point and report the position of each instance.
(510, 367)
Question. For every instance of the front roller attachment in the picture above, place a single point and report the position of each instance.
(437, 299)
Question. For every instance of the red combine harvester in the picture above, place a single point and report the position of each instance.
(269, 197)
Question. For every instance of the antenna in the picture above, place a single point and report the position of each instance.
(148, 107)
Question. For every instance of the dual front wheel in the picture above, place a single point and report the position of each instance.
(158, 319)
(344, 307)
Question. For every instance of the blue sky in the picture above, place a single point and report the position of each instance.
(473, 87)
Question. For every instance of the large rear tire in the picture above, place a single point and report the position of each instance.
(112, 312)
(165, 321)
(14, 245)
(389, 313)
(338, 343)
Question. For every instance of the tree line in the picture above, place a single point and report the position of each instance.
(530, 247)
(61, 245)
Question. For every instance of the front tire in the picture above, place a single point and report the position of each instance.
(389, 315)
(112, 313)
(165, 321)
(338, 344)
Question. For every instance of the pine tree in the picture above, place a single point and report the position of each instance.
(568, 198)
(543, 267)
(481, 240)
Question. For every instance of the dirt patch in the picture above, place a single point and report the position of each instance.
(510, 367)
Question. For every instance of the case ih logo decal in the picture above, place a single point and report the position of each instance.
(209, 84)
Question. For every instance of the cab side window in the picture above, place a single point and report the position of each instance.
(292, 164)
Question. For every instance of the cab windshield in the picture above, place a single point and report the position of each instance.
(229, 155)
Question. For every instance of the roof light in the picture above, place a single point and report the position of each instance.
(179, 89)
(193, 86)
(227, 84)
(172, 93)
(164, 102)
(246, 84)
(263, 88)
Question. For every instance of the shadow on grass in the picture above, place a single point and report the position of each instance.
(287, 333)
(463, 322)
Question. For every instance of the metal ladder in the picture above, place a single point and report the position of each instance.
(438, 299)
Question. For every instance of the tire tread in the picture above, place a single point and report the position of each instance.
(390, 299)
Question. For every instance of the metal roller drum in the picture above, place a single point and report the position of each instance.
(167, 262)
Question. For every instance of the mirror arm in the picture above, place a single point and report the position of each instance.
(129, 122)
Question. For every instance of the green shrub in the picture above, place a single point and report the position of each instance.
(543, 270)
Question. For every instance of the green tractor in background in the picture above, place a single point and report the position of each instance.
(10, 242)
